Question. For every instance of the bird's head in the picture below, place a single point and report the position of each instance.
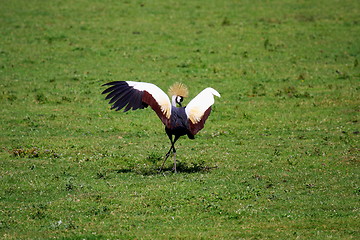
(178, 92)
(179, 100)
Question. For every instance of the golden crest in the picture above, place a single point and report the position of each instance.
(178, 89)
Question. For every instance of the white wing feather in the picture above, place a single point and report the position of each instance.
(159, 95)
(197, 106)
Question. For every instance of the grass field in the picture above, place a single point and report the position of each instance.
(278, 157)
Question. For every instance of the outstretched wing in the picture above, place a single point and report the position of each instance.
(135, 95)
(198, 109)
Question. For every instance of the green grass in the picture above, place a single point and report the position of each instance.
(278, 157)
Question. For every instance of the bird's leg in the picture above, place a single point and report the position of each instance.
(174, 162)
(168, 153)
(166, 157)
(174, 151)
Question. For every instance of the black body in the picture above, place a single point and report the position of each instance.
(179, 123)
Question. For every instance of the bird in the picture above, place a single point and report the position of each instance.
(178, 120)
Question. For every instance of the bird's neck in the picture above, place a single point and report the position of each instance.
(173, 100)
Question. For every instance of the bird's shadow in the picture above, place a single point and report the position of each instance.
(155, 170)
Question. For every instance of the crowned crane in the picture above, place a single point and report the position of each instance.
(178, 121)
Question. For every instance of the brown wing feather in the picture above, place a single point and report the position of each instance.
(195, 128)
(149, 100)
